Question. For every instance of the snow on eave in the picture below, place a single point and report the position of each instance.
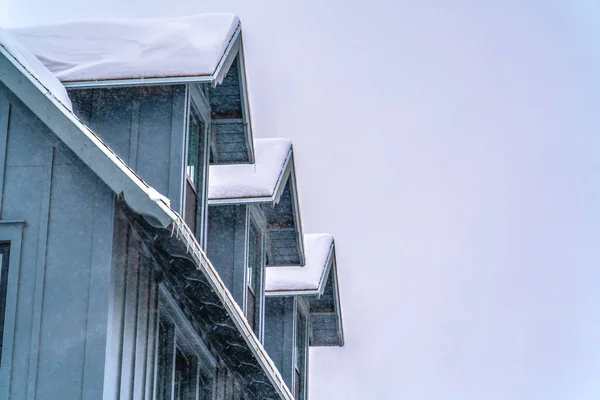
(16, 52)
(190, 49)
(309, 279)
(260, 182)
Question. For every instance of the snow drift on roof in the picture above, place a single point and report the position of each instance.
(34, 66)
(239, 181)
(308, 278)
(128, 49)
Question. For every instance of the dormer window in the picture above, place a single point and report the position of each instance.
(300, 361)
(254, 280)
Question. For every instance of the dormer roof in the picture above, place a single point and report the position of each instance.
(317, 282)
(260, 182)
(310, 279)
(191, 48)
(271, 183)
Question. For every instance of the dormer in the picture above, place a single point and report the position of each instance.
(254, 221)
(168, 96)
(303, 309)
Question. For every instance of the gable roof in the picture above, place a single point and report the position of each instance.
(271, 183)
(309, 279)
(139, 196)
(317, 282)
(262, 181)
(187, 48)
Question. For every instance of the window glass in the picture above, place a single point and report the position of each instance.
(193, 161)
(196, 170)
(181, 372)
(255, 272)
(300, 362)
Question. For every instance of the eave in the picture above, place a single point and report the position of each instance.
(214, 79)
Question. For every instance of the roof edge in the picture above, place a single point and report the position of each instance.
(215, 78)
(286, 169)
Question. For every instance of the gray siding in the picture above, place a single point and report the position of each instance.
(230, 124)
(227, 226)
(279, 335)
(62, 304)
(145, 126)
(132, 324)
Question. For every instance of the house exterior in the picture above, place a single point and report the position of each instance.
(303, 309)
(115, 139)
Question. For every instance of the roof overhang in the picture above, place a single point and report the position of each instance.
(319, 286)
(214, 79)
(88, 54)
(269, 200)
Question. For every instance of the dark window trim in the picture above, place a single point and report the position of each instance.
(199, 108)
(10, 232)
(182, 337)
(300, 314)
(5, 252)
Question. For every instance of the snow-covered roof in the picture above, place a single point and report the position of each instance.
(188, 46)
(261, 180)
(310, 278)
(34, 66)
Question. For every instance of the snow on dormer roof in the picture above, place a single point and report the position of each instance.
(260, 181)
(310, 278)
(191, 46)
(30, 63)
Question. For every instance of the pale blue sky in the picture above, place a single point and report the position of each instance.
(454, 152)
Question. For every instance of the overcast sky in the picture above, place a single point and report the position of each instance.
(454, 152)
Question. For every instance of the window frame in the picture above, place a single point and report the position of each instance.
(198, 107)
(300, 311)
(255, 221)
(11, 232)
(182, 337)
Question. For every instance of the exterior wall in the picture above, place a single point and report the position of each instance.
(227, 226)
(133, 321)
(279, 335)
(145, 126)
(58, 338)
(229, 234)
(286, 340)
(140, 303)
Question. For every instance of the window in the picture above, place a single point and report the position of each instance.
(196, 171)
(4, 254)
(300, 361)
(254, 280)
(185, 367)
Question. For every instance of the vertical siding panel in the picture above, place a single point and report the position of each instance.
(39, 277)
(116, 308)
(4, 122)
(133, 140)
(152, 342)
(99, 287)
(130, 318)
(141, 340)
